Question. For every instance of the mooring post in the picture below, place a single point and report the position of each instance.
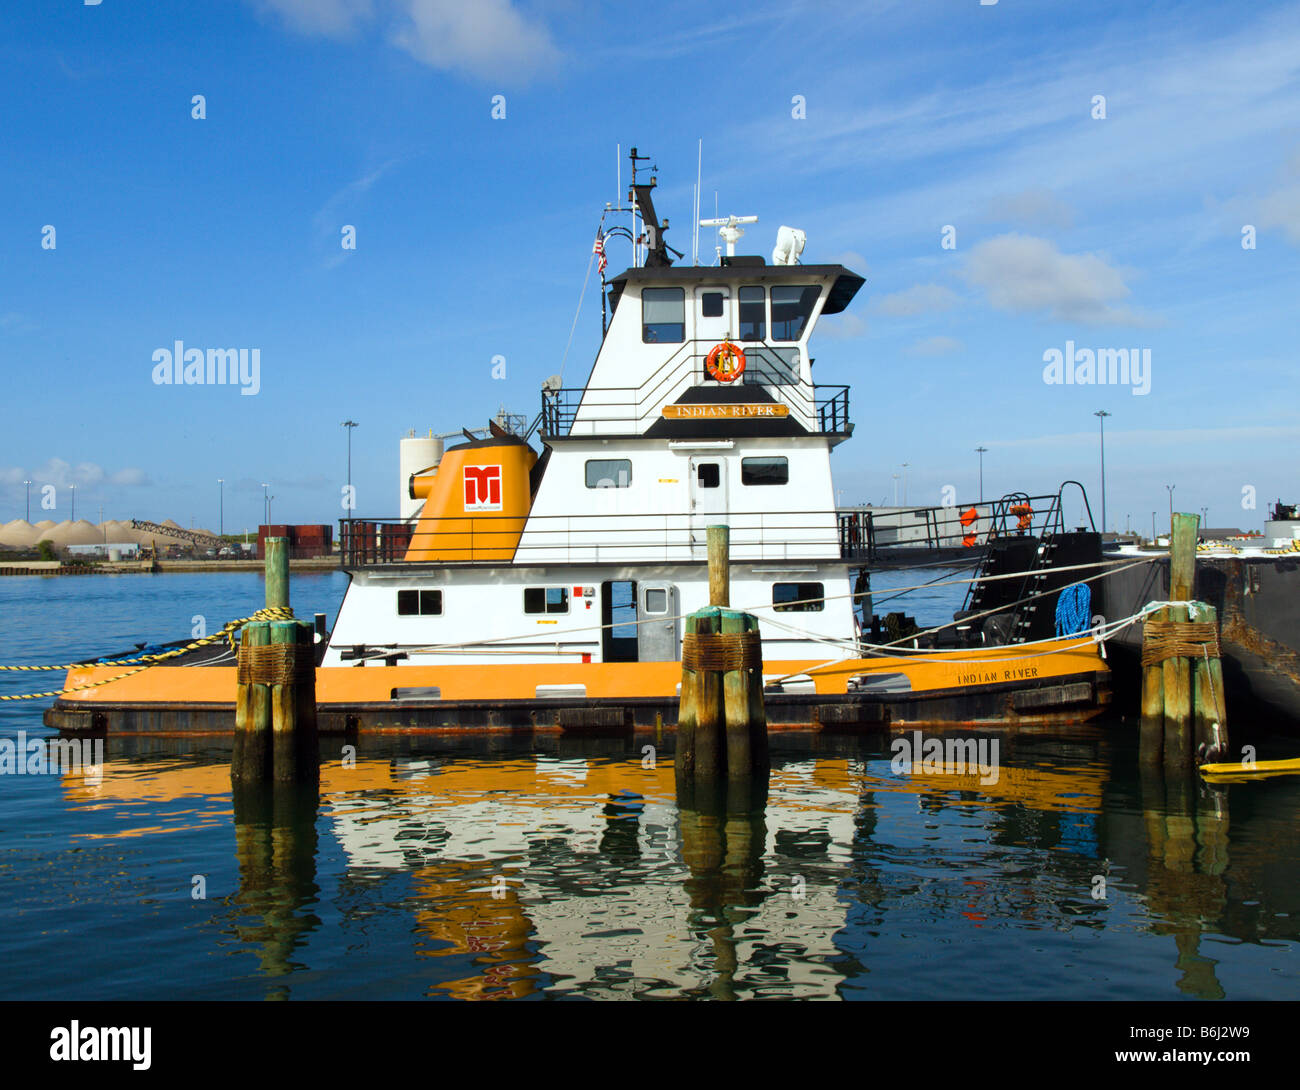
(1177, 668)
(719, 539)
(276, 564)
(742, 690)
(293, 702)
(710, 718)
(1151, 738)
(251, 760)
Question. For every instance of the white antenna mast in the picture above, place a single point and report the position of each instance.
(699, 169)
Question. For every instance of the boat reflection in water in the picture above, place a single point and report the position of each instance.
(454, 869)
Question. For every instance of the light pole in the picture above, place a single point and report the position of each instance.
(1171, 488)
(981, 451)
(1205, 517)
(1101, 419)
(28, 486)
(895, 476)
(1153, 527)
(266, 506)
(221, 509)
(349, 424)
(73, 489)
(905, 465)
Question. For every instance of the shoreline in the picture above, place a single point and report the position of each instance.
(54, 567)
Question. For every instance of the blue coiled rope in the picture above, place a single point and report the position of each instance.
(1074, 610)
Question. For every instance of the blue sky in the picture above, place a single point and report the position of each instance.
(473, 234)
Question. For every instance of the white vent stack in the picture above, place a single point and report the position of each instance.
(416, 454)
(789, 245)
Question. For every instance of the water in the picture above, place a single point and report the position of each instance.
(444, 868)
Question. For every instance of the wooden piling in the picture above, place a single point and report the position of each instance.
(743, 707)
(710, 719)
(293, 704)
(1177, 673)
(719, 538)
(252, 756)
(276, 564)
(1151, 739)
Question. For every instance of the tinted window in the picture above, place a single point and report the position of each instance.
(764, 471)
(663, 315)
(411, 603)
(792, 305)
(656, 600)
(707, 473)
(753, 314)
(546, 599)
(609, 473)
(794, 597)
(711, 304)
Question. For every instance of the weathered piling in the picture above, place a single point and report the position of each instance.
(275, 689)
(252, 759)
(722, 724)
(1184, 718)
(276, 566)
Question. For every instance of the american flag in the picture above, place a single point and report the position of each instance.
(599, 250)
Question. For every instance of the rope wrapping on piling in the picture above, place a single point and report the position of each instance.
(1162, 640)
(721, 651)
(274, 664)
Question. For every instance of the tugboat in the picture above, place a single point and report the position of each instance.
(549, 586)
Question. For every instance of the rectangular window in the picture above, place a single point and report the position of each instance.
(798, 597)
(708, 474)
(656, 600)
(764, 471)
(415, 603)
(753, 314)
(792, 306)
(546, 599)
(609, 473)
(711, 304)
(663, 315)
(771, 366)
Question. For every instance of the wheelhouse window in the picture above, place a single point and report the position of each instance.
(752, 315)
(711, 304)
(663, 315)
(708, 474)
(656, 600)
(546, 599)
(419, 603)
(798, 597)
(792, 306)
(764, 471)
(609, 473)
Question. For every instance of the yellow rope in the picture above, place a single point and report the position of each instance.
(270, 613)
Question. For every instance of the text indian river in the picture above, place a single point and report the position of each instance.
(442, 868)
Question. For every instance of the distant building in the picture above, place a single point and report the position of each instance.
(124, 550)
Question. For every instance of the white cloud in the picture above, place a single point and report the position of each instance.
(841, 327)
(486, 39)
(61, 474)
(1033, 207)
(1024, 274)
(919, 299)
(331, 18)
(935, 346)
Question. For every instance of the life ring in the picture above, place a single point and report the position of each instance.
(725, 362)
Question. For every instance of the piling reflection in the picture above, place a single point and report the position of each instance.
(723, 831)
(275, 846)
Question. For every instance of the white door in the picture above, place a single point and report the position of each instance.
(658, 627)
(712, 317)
(708, 488)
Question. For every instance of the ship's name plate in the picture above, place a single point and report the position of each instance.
(700, 412)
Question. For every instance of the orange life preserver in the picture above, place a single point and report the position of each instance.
(725, 361)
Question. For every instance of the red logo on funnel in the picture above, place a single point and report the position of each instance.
(482, 488)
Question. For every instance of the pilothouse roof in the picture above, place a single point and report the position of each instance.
(844, 288)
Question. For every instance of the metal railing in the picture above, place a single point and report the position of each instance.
(766, 365)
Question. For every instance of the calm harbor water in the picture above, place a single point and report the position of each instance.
(564, 867)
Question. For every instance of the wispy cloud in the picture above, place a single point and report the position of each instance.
(61, 474)
(1036, 207)
(1028, 275)
(935, 346)
(482, 39)
(919, 299)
